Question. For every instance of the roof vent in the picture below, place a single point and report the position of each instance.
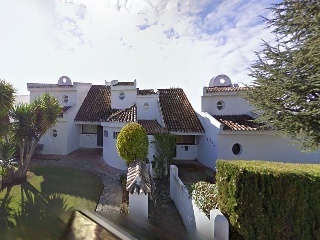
(64, 80)
(220, 81)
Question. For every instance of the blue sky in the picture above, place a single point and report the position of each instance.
(160, 43)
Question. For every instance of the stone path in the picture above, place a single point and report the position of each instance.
(91, 160)
(164, 209)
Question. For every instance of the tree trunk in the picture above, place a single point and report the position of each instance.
(8, 177)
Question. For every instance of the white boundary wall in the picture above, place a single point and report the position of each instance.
(217, 227)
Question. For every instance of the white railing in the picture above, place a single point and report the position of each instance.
(217, 227)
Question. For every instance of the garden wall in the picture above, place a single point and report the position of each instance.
(194, 219)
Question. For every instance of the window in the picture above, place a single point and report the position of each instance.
(146, 105)
(89, 129)
(65, 98)
(115, 135)
(54, 133)
(121, 95)
(105, 133)
(236, 149)
(220, 105)
(185, 139)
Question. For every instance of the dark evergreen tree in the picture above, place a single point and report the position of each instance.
(287, 74)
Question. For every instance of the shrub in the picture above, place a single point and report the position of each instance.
(268, 200)
(124, 208)
(132, 143)
(205, 196)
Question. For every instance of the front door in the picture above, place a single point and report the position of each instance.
(100, 136)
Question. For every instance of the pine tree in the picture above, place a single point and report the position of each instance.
(287, 74)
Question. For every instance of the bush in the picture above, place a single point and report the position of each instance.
(268, 200)
(124, 208)
(205, 196)
(132, 143)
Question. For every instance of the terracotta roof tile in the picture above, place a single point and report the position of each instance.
(123, 115)
(225, 89)
(146, 92)
(96, 105)
(124, 84)
(237, 122)
(177, 112)
(138, 180)
(152, 127)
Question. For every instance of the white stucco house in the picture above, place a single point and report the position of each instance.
(93, 116)
(231, 134)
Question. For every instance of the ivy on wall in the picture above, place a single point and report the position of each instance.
(165, 145)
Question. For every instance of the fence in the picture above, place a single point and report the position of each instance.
(217, 227)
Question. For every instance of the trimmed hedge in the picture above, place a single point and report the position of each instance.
(270, 200)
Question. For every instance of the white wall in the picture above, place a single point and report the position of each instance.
(262, 147)
(207, 147)
(152, 148)
(110, 154)
(186, 152)
(217, 227)
(138, 205)
(234, 104)
(55, 145)
(130, 97)
(150, 113)
(88, 140)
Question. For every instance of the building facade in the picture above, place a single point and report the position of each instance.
(93, 116)
(231, 133)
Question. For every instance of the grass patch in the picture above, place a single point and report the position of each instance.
(40, 207)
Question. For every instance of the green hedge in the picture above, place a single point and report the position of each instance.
(269, 200)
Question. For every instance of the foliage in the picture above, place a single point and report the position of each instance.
(205, 196)
(124, 207)
(165, 145)
(270, 200)
(6, 104)
(132, 143)
(31, 122)
(7, 151)
(287, 80)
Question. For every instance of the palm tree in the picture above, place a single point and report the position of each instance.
(6, 104)
(31, 122)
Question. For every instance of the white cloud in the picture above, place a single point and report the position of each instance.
(162, 43)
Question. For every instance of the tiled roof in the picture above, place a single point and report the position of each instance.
(237, 122)
(152, 127)
(96, 105)
(124, 84)
(138, 180)
(45, 85)
(123, 115)
(146, 92)
(177, 112)
(225, 89)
